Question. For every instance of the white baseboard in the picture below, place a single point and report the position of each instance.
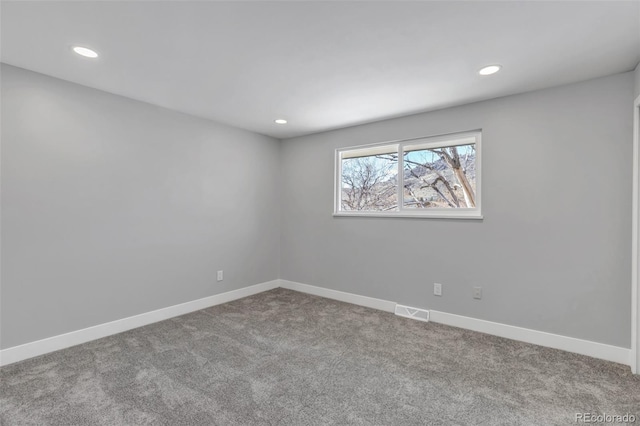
(62, 341)
(541, 338)
(369, 302)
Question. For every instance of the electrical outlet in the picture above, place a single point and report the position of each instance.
(220, 276)
(477, 292)
(437, 289)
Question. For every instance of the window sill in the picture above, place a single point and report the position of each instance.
(473, 215)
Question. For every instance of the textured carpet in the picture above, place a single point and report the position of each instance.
(287, 358)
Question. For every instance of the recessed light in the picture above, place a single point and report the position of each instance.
(85, 51)
(490, 69)
(281, 121)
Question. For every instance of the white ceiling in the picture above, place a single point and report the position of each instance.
(320, 65)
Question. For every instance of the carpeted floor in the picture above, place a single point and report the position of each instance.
(287, 358)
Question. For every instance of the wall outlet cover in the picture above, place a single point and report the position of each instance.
(477, 292)
(437, 289)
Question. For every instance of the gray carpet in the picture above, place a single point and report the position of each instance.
(287, 358)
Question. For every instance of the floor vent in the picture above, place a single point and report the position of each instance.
(413, 313)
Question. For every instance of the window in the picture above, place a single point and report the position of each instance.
(426, 177)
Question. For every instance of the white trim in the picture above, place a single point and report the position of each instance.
(458, 214)
(368, 151)
(399, 178)
(635, 249)
(541, 338)
(355, 299)
(412, 141)
(62, 341)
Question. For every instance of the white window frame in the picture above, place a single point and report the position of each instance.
(440, 141)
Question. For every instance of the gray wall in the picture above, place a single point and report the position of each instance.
(552, 252)
(113, 207)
